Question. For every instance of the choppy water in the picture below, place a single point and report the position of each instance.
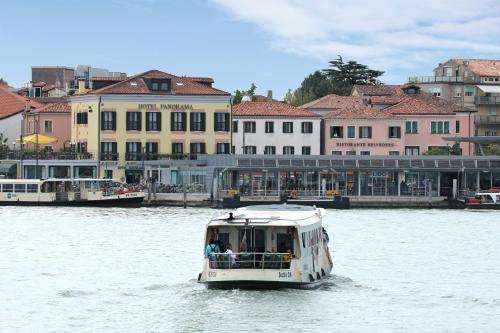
(125, 270)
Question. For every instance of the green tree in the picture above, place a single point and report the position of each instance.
(289, 96)
(437, 151)
(2, 81)
(344, 75)
(492, 150)
(4, 149)
(238, 94)
(314, 86)
(455, 149)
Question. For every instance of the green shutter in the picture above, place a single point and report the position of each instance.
(433, 127)
(147, 121)
(446, 127)
(113, 121)
(203, 121)
(102, 121)
(184, 121)
(408, 127)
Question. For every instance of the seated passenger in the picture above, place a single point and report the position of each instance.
(232, 255)
(287, 258)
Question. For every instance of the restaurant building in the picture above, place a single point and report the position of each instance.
(150, 116)
(275, 128)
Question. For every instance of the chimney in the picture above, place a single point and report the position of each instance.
(81, 86)
(270, 94)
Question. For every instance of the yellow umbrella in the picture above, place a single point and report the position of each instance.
(42, 139)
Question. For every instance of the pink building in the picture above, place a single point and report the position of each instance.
(54, 120)
(391, 120)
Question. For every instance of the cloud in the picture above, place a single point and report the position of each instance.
(390, 34)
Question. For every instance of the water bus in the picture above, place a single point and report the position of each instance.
(489, 199)
(68, 192)
(267, 246)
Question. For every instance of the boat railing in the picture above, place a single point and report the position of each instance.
(250, 260)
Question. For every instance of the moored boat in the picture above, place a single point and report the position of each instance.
(489, 199)
(68, 192)
(277, 246)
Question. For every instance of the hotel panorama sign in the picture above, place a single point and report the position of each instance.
(174, 107)
(365, 144)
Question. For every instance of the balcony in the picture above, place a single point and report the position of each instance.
(443, 79)
(487, 100)
(487, 120)
(45, 155)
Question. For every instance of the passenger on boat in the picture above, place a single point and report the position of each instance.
(231, 254)
(211, 252)
(326, 238)
(286, 259)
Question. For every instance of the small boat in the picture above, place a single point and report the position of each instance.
(278, 246)
(489, 199)
(68, 192)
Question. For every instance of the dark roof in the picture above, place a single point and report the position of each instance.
(136, 85)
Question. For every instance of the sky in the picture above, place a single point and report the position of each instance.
(272, 43)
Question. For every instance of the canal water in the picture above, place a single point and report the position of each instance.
(134, 270)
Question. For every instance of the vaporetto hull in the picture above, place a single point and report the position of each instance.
(119, 201)
(281, 246)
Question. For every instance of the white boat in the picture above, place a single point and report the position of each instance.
(68, 192)
(277, 246)
(489, 199)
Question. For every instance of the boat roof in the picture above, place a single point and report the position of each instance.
(37, 181)
(271, 215)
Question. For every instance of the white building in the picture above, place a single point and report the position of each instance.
(275, 128)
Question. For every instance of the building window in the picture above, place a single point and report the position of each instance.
(364, 152)
(133, 121)
(350, 152)
(249, 126)
(197, 121)
(412, 127)
(159, 85)
(109, 151)
(269, 150)
(108, 121)
(197, 148)
(458, 91)
(457, 126)
(221, 123)
(365, 132)
(436, 91)
(469, 91)
(222, 148)
(336, 132)
(82, 118)
(153, 121)
(151, 150)
(306, 150)
(269, 126)
(307, 127)
(133, 151)
(47, 126)
(177, 150)
(250, 150)
(394, 153)
(178, 121)
(412, 151)
(336, 152)
(288, 150)
(351, 132)
(235, 126)
(287, 127)
(394, 132)
(440, 127)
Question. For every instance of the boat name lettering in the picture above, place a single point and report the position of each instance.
(364, 144)
(284, 274)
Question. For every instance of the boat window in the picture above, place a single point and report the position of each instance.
(285, 242)
(223, 238)
(7, 187)
(20, 188)
(252, 240)
(32, 188)
(303, 240)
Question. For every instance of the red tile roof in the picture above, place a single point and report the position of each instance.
(481, 67)
(382, 90)
(270, 109)
(384, 100)
(199, 79)
(416, 105)
(333, 101)
(12, 103)
(61, 107)
(136, 85)
(360, 112)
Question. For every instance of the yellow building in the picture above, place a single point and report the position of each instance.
(150, 116)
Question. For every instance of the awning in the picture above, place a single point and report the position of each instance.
(490, 89)
(42, 139)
